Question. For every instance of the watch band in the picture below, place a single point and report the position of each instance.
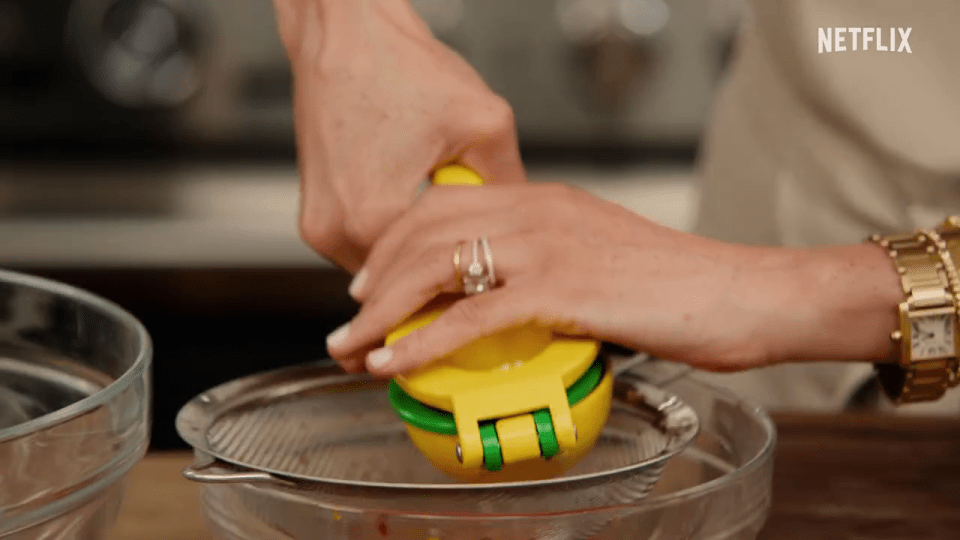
(923, 276)
(947, 238)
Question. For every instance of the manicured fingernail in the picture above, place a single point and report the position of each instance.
(379, 358)
(359, 280)
(338, 336)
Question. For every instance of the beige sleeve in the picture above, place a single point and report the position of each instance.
(807, 148)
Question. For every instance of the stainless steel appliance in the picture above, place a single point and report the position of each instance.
(95, 70)
(626, 72)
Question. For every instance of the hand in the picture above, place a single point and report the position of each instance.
(586, 267)
(379, 103)
(566, 260)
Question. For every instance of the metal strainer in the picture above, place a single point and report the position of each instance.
(316, 432)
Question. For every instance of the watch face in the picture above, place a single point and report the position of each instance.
(932, 336)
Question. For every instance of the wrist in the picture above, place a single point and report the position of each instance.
(833, 303)
(340, 27)
(348, 16)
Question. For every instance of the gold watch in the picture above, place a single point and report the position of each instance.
(928, 336)
(947, 238)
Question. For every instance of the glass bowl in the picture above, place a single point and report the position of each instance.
(717, 487)
(74, 408)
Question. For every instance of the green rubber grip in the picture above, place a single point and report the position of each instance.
(492, 456)
(549, 446)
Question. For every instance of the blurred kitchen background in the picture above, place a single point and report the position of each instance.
(147, 152)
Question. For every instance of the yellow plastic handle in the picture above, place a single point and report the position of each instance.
(456, 175)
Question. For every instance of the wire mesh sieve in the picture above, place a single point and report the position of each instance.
(333, 438)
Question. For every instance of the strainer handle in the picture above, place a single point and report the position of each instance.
(654, 370)
(215, 473)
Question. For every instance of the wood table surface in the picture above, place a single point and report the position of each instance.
(835, 477)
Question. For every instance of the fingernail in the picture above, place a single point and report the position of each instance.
(359, 280)
(338, 336)
(379, 358)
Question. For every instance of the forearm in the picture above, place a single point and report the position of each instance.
(837, 303)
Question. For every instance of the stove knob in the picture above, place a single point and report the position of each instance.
(613, 44)
(142, 54)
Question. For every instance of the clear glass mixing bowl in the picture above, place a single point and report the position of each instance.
(74, 408)
(717, 488)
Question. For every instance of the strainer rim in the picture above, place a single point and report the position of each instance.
(195, 419)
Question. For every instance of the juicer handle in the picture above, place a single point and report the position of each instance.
(456, 175)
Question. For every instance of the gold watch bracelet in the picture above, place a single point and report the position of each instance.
(925, 276)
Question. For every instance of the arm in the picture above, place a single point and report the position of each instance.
(378, 104)
(568, 260)
(837, 302)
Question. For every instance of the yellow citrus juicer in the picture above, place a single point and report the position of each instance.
(523, 404)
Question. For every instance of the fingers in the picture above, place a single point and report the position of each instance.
(465, 321)
(415, 238)
(327, 238)
(414, 284)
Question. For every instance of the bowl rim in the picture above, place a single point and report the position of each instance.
(140, 364)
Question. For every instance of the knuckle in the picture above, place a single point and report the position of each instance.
(360, 229)
(402, 239)
(366, 222)
(497, 117)
(563, 202)
(320, 233)
(331, 222)
(559, 189)
(468, 312)
(501, 112)
(563, 193)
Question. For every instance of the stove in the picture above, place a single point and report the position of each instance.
(631, 73)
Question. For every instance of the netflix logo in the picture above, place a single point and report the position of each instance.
(864, 39)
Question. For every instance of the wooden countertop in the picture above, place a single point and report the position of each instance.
(835, 477)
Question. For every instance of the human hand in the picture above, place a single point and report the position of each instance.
(379, 103)
(565, 260)
(586, 267)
